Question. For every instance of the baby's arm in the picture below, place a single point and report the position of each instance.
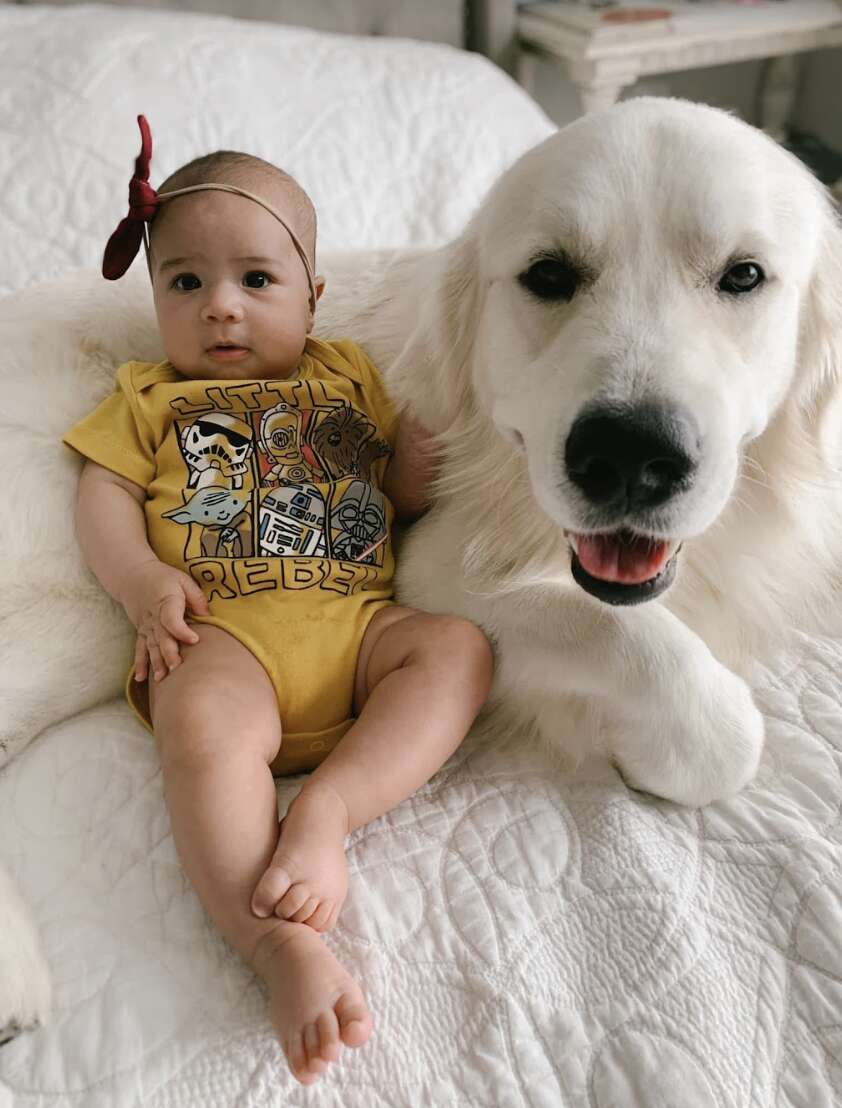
(410, 470)
(111, 528)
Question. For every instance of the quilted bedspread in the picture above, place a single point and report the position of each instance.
(525, 938)
(396, 141)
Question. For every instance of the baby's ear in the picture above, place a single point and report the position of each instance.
(319, 283)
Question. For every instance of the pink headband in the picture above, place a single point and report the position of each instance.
(122, 247)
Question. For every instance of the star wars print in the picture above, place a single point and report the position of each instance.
(272, 472)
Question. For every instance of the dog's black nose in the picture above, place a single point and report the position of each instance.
(634, 457)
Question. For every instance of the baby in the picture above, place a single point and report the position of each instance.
(237, 500)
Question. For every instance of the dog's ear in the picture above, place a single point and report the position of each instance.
(432, 374)
(820, 340)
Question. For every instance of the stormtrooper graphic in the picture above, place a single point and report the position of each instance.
(358, 524)
(216, 445)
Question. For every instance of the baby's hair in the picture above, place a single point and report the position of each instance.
(230, 167)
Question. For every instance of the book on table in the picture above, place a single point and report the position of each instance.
(624, 20)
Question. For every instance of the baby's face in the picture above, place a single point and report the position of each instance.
(231, 293)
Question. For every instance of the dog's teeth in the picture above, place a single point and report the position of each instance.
(574, 542)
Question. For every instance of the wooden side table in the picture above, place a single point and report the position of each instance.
(601, 68)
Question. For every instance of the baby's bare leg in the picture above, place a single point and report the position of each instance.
(421, 681)
(216, 724)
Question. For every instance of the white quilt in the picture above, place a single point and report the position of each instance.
(525, 939)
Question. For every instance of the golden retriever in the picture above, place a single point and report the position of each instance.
(631, 358)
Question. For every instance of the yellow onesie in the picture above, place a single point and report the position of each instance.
(268, 493)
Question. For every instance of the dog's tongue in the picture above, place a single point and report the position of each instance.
(622, 557)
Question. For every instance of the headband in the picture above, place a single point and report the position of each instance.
(122, 247)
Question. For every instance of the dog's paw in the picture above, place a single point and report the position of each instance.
(24, 978)
(709, 752)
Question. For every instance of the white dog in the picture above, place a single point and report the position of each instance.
(632, 360)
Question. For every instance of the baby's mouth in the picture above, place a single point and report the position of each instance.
(227, 351)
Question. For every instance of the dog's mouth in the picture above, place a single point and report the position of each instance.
(621, 567)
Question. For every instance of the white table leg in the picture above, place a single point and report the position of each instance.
(526, 68)
(778, 86)
(595, 97)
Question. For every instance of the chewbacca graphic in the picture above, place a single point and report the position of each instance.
(343, 440)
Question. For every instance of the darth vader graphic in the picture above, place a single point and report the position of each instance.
(358, 524)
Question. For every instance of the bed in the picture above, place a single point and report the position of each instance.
(526, 937)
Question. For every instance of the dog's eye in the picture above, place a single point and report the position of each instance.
(742, 277)
(550, 279)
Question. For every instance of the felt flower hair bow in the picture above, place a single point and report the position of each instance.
(124, 243)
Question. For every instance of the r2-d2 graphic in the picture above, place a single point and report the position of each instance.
(292, 521)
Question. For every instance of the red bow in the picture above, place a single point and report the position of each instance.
(125, 242)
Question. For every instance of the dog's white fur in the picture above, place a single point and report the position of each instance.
(659, 195)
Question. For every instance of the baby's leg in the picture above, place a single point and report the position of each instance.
(216, 723)
(421, 680)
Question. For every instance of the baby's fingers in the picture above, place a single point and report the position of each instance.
(171, 617)
(141, 659)
(159, 668)
(196, 599)
(169, 650)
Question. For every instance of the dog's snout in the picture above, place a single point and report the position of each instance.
(636, 457)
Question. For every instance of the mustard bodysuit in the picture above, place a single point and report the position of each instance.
(268, 493)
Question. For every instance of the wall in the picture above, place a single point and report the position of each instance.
(819, 107)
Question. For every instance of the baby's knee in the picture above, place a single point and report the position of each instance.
(195, 733)
(464, 645)
(186, 736)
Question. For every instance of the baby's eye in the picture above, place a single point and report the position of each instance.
(186, 282)
(257, 279)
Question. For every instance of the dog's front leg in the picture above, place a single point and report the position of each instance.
(24, 977)
(676, 722)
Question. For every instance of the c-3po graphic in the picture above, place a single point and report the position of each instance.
(280, 437)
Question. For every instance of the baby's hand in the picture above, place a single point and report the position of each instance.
(155, 596)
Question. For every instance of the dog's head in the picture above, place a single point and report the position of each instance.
(634, 302)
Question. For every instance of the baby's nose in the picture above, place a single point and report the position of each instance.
(223, 304)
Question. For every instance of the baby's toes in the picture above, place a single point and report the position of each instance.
(323, 917)
(354, 1018)
(297, 1058)
(293, 901)
(316, 1064)
(271, 888)
(306, 910)
(331, 1044)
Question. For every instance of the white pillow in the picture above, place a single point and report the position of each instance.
(396, 141)
(65, 644)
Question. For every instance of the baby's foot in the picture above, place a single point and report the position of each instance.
(315, 1005)
(307, 879)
